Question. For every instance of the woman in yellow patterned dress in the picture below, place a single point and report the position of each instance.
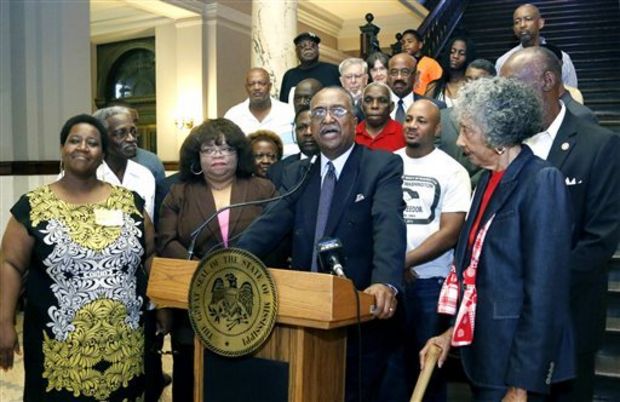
(84, 245)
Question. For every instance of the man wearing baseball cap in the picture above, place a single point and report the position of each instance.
(307, 50)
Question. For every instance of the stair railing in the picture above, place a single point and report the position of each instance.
(439, 24)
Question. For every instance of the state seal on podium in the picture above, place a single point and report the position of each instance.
(232, 302)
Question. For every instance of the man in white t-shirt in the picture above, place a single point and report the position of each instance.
(262, 112)
(436, 190)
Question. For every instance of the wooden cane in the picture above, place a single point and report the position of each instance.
(430, 361)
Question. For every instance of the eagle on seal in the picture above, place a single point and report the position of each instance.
(233, 303)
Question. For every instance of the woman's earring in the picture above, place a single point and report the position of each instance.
(61, 167)
(500, 150)
(193, 170)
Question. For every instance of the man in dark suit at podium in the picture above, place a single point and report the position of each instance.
(353, 194)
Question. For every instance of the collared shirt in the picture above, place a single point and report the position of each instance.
(541, 143)
(390, 139)
(279, 120)
(338, 163)
(569, 76)
(137, 178)
(407, 102)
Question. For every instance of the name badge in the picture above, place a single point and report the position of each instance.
(108, 217)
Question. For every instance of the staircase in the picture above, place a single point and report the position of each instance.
(585, 29)
(607, 386)
(588, 31)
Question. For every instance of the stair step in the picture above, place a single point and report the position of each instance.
(591, 38)
(552, 19)
(475, 5)
(607, 368)
(613, 325)
(613, 287)
(606, 389)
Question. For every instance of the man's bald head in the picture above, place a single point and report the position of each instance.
(527, 23)
(420, 127)
(258, 86)
(304, 91)
(539, 69)
(431, 110)
(530, 66)
(527, 7)
(401, 74)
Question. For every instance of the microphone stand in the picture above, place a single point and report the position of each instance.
(194, 235)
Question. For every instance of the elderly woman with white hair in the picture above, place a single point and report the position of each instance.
(508, 286)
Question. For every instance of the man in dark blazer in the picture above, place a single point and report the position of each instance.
(401, 80)
(479, 68)
(587, 155)
(306, 143)
(365, 214)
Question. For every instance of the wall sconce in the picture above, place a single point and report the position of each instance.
(186, 122)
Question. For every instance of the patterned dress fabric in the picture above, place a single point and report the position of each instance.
(85, 292)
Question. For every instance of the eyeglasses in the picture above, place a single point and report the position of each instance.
(350, 77)
(123, 133)
(319, 113)
(210, 151)
(405, 72)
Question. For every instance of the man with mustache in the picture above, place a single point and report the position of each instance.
(304, 91)
(306, 143)
(379, 131)
(353, 194)
(262, 112)
(401, 77)
(307, 51)
(526, 24)
(117, 167)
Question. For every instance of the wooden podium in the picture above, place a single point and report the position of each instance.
(309, 334)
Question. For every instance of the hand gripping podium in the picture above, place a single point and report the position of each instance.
(308, 343)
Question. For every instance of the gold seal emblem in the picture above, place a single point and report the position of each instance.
(232, 302)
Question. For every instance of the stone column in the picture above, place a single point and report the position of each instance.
(274, 25)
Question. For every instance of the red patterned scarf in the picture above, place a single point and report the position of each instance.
(463, 333)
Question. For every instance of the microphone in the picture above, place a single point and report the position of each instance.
(330, 253)
(194, 235)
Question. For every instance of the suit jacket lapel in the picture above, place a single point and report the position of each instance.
(206, 206)
(309, 201)
(564, 141)
(460, 253)
(502, 194)
(344, 189)
(507, 185)
(239, 193)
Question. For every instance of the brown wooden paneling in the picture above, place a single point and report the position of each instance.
(29, 168)
(171, 165)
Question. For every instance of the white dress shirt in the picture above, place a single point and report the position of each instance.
(541, 143)
(137, 178)
(279, 120)
(569, 75)
(338, 163)
(407, 102)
